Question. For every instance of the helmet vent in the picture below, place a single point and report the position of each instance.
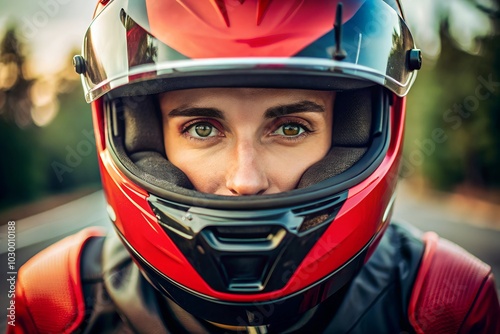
(244, 273)
(245, 238)
(243, 255)
(243, 233)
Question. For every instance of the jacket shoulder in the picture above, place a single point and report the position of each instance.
(451, 289)
(49, 296)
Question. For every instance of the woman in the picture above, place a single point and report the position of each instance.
(249, 153)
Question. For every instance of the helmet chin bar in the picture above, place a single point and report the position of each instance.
(257, 313)
(246, 251)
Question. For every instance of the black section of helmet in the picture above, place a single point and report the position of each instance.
(246, 251)
(256, 313)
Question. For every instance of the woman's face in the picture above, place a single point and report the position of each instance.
(246, 141)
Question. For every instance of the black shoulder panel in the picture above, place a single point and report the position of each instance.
(377, 300)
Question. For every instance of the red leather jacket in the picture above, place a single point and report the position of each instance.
(413, 283)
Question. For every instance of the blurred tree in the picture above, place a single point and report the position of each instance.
(69, 137)
(460, 96)
(46, 137)
(18, 179)
(15, 104)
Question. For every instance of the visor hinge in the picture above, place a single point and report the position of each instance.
(414, 59)
(79, 64)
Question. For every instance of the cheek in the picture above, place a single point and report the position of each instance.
(204, 176)
(171, 138)
(205, 171)
(287, 165)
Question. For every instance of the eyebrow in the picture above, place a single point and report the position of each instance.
(272, 112)
(286, 109)
(188, 111)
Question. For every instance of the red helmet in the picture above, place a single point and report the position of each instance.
(252, 259)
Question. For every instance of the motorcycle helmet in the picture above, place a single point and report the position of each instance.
(249, 259)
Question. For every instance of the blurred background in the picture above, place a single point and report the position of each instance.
(47, 156)
(450, 176)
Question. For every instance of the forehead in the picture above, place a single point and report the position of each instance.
(221, 96)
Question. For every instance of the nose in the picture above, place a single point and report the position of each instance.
(246, 174)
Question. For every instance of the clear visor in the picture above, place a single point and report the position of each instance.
(120, 50)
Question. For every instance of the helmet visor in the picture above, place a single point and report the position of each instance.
(125, 45)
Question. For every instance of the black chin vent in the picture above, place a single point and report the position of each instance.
(246, 251)
(244, 272)
(241, 269)
(242, 233)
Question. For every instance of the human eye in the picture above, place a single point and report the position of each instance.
(201, 130)
(291, 130)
